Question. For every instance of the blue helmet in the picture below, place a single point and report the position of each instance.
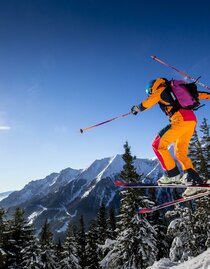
(149, 87)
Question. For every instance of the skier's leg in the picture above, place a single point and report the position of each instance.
(181, 152)
(182, 144)
(167, 136)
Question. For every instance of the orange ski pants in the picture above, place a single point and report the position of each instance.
(179, 132)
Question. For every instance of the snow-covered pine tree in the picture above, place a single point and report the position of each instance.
(111, 224)
(202, 223)
(14, 243)
(3, 255)
(81, 239)
(59, 250)
(48, 258)
(181, 230)
(92, 247)
(195, 151)
(70, 258)
(129, 197)
(159, 223)
(20, 239)
(101, 225)
(31, 251)
(199, 151)
(205, 145)
(101, 230)
(2, 226)
(135, 246)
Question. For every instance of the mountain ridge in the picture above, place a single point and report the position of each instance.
(63, 197)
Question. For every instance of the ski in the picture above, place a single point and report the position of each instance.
(144, 185)
(171, 203)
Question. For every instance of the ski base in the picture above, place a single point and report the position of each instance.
(171, 203)
(143, 185)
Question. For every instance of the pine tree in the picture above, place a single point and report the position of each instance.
(101, 225)
(59, 250)
(129, 199)
(48, 257)
(199, 151)
(15, 243)
(195, 151)
(205, 145)
(70, 258)
(3, 255)
(135, 246)
(160, 226)
(129, 171)
(81, 239)
(111, 223)
(20, 238)
(92, 247)
(31, 253)
(202, 223)
(181, 230)
(46, 235)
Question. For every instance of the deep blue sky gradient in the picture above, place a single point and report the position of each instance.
(66, 65)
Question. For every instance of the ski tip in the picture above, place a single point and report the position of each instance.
(153, 57)
(119, 183)
(144, 210)
(81, 131)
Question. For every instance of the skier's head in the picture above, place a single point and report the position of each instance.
(149, 87)
(155, 84)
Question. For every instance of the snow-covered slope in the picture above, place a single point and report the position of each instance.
(202, 261)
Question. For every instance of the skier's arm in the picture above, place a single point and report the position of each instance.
(204, 95)
(151, 100)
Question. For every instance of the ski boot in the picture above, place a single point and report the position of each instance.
(166, 180)
(191, 178)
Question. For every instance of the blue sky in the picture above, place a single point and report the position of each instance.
(66, 65)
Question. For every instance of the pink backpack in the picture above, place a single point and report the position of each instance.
(185, 94)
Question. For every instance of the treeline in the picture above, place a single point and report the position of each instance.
(115, 241)
(21, 248)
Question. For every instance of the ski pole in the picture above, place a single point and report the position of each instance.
(180, 72)
(107, 121)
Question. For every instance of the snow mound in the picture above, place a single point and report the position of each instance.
(202, 261)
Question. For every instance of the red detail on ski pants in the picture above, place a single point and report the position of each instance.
(155, 145)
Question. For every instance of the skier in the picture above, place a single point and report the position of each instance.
(179, 131)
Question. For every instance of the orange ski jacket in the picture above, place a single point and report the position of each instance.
(161, 96)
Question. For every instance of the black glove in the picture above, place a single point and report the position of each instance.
(135, 110)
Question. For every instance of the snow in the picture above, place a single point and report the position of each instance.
(54, 181)
(114, 165)
(202, 261)
(94, 169)
(87, 192)
(35, 214)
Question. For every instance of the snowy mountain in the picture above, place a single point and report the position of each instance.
(202, 261)
(65, 196)
(4, 195)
